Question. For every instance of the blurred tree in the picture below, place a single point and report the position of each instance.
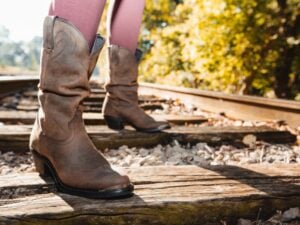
(236, 46)
(287, 71)
(4, 34)
(19, 54)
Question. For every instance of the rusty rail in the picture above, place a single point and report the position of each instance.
(11, 84)
(237, 106)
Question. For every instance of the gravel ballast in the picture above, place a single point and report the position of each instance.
(252, 152)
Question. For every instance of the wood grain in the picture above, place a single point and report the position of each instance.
(164, 195)
(15, 137)
(19, 117)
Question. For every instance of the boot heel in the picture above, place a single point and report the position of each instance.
(114, 123)
(40, 166)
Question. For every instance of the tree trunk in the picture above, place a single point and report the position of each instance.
(288, 53)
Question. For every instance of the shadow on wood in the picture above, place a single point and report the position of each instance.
(164, 195)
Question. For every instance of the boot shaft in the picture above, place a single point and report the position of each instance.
(121, 102)
(66, 58)
(123, 66)
(66, 65)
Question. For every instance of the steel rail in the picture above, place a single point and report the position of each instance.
(236, 106)
(11, 84)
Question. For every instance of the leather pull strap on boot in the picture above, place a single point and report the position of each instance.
(59, 142)
(121, 102)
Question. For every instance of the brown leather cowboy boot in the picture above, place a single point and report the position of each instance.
(59, 142)
(121, 102)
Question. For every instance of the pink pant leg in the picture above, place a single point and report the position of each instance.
(125, 22)
(84, 14)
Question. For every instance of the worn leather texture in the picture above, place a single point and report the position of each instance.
(122, 90)
(59, 133)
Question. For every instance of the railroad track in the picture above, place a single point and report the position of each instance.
(236, 106)
(17, 113)
(195, 194)
(11, 84)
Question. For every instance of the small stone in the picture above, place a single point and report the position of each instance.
(178, 149)
(225, 148)
(123, 148)
(219, 158)
(200, 153)
(130, 151)
(143, 152)
(250, 140)
(9, 156)
(169, 152)
(296, 150)
(6, 170)
(201, 146)
(112, 153)
(238, 123)
(122, 153)
(261, 155)
(124, 164)
(189, 159)
(217, 163)
(248, 124)
(198, 159)
(128, 159)
(157, 152)
(291, 214)
(208, 157)
(148, 160)
(226, 158)
(174, 160)
(254, 157)
(176, 143)
(209, 149)
(244, 222)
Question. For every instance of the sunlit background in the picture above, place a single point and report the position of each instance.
(23, 18)
(21, 25)
(243, 47)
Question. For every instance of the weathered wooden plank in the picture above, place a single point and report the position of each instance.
(94, 91)
(88, 106)
(17, 117)
(15, 138)
(98, 95)
(164, 195)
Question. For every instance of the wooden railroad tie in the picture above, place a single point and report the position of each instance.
(18, 117)
(29, 102)
(15, 137)
(184, 195)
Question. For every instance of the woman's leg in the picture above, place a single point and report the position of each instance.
(121, 103)
(124, 22)
(84, 14)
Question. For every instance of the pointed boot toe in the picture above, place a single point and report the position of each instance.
(121, 106)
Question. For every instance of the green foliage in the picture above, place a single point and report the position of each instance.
(235, 46)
